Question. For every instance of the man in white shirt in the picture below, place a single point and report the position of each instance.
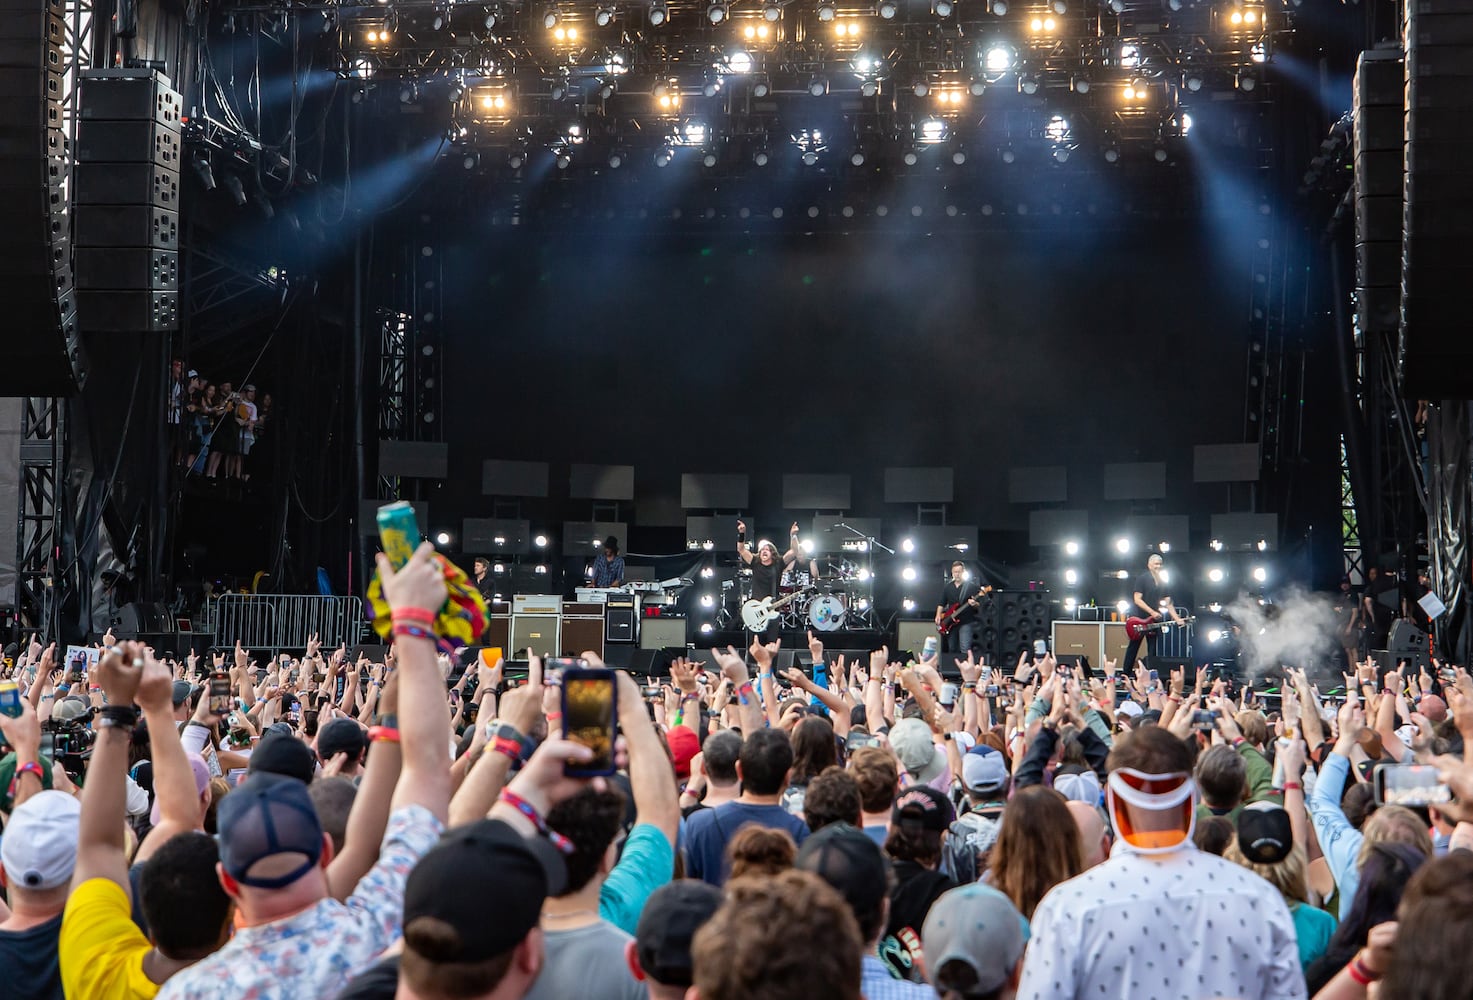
(1160, 918)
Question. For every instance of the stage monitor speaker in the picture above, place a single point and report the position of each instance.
(912, 634)
(620, 614)
(649, 662)
(1023, 616)
(582, 635)
(539, 633)
(658, 633)
(1408, 644)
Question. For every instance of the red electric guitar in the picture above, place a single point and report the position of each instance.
(951, 614)
(1136, 628)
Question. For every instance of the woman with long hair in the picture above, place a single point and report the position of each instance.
(814, 749)
(1037, 848)
(1384, 875)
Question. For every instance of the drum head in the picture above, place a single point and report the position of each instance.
(826, 613)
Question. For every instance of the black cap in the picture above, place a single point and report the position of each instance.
(846, 858)
(1265, 835)
(341, 736)
(668, 924)
(486, 860)
(182, 692)
(281, 754)
(923, 806)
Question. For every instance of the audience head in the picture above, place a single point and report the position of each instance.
(1264, 844)
(1037, 848)
(832, 797)
(38, 851)
(814, 748)
(1213, 834)
(920, 817)
(591, 820)
(765, 761)
(847, 859)
(1094, 834)
(878, 775)
(1151, 795)
(660, 953)
(333, 798)
(719, 754)
(272, 845)
(1431, 960)
(760, 850)
(187, 913)
(1222, 775)
(973, 939)
(984, 774)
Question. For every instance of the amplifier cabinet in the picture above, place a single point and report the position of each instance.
(659, 633)
(621, 619)
(583, 632)
(540, 633)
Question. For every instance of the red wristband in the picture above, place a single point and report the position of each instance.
(414, 615)
(1360, 972)
(1293, 784)
(383, 734)
(511, 748)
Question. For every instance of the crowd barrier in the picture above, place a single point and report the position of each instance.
(284, 622)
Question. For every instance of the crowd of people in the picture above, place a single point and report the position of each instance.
(340, 828)
(215, 426)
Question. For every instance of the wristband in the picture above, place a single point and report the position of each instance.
(553, 716)
(383, 734)
(512, 748)
(744, 693)
(414, 615)
(1239, 742)
(1361, 972)
(123, 716)
(29, 767)
(63, 689)
(524, 807)
(1294, 785)
(412, 631)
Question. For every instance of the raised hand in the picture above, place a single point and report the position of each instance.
(815, 647)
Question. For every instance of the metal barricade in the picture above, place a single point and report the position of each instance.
(278, 622)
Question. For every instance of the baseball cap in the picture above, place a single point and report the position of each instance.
(1078, 785)
(265, 817)
(278, 753)
(193, 373)
(485, 860)
(68, 709)
(978, 926)
(1264, 834)
(671, 917)
(1129, 709)
(341, 736)
(923, 805)
(181, 693)
(684, 745)
(983, 770)
(917, 750)
(39, 848)
(847, 859)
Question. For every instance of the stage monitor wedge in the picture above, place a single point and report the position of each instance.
(714, 491)
(1038, 484)
(816, 492)
(414, 459)
(1225, 463)
(926, 485)
(601, 482)
(505, 478)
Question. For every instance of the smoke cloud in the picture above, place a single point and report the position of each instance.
(1298, 630)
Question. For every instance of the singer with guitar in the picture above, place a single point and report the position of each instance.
(767, 569)
(1150, 600)
(958, 610)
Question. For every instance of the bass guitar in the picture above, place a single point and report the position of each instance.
(1136, 628)
(951, 614)
(756, 614)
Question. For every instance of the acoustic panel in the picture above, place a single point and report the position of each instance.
(660, 510)
(827, 536)
(937, 542)
(601, 482)
(1135, 481)
(504, 478)
(721, 532)
(932, 484)
(1038, 484)
(1225, 463)
(368, 516)
(1055, 527)
(1151, 530)
(719, 491)
(503, 536)
(816, 492)
(586, 538)
(1243, 532)
(414, 459)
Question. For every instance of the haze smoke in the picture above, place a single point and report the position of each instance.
(1296, 630)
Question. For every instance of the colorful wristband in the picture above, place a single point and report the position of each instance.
(1360, 972)
(405, 630)
(414, 615)
(524, 807)
(511, 748)
(29, 767)
(383, 734)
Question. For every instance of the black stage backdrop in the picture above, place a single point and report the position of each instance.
(768, 355)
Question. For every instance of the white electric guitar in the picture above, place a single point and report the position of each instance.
(756, 614)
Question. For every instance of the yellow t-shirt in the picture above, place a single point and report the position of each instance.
(101, 947)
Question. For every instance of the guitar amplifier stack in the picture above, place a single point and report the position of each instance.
(1010, 623)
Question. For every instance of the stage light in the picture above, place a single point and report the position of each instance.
(1259, 52)
(818, 86)
(908, 574)
(862, 575)
(659, 13)
(868, 88)
(921, 88)
(1122, 574)
(1117, 6)
(978, 87)
(1215, 545)
(516, 159)
(1130, 56)
(540, 541)
(1057, 129)
(707, 628)
(1246, 81)
(760, 157)
(1175, 6)
(717, 12)
(739, 62)
(236, 188)
(910, 157)
(707, 601)
(1122, 606)
(563, 160)
(1112, 153)
(1192, 80)
(1079, 84)
(941, 8)
(1260, 574)
(908, 545)
(862, 604)
(541, 568)
(810, 158)
(1007, 154)
(201, 164)
(1215, 635)
(471, 160)
(908, 604)
(1263, 545)
(663, 156)
(1216, 574)
(772, 12)
(827, 11)
(550, 18)
(1060, 7)
(443, 538)
(1166, 576)
(603, 17)
(498, 568)
(1159, 153)
(856, 158)
(490, 19)
(887, 9)
(1071, 576)
(999, 58)
(1068, 604)
(1122, 545)
(848, 27)
(1071, 548)
(761, 88)
(409, 93)
(958, 157)
(999, 8)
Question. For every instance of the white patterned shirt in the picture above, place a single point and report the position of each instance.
(314, 953)
(1184, 925)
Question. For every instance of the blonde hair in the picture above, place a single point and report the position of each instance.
(1393, 825)
(1287, 876)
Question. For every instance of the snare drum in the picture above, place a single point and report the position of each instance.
(826, 613)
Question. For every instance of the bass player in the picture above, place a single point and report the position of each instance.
(958, 591)
(767, 569)
(1151, 600)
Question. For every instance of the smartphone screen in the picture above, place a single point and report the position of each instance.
(220, 700)
(48, 745)
(554, 667)
(1408, 785)
(589, 714)
(1153, 675)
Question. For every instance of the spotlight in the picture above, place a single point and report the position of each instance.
(772, 12)
(857, 158)
(908, 545)
(540, 541)
(908, 574)
(1071, 576)
(998, 59)
(603, 17)
(1159, 153)
(1000, 8)
(1215, 635)
(717, 12)
(409, 93)
(818, 86)
(760, 157)
(201, 165)
(958, 157)
(1260, 574)
(1122, 606)
(1122, 545)
(1216, 574)
(941, 8)
(1069, 604)
(471, 161)
(739, 62)
(707, 600)
(515, 159)
(827, 11)
(1008, 154)
(922, 88)
(541, 568)
(761, 88)
(1263, 545)
(1246, 81)
(707, 628)
(1122, 574)
(887, 9)
(708, 545)
(709, 159)
(658, 13)
(236, 188)
(616, 160)
(911, 157)
(868, 88)
(1192, 81)
(1117, 6)
(443, 538)
(550, 18)
(809, 159)
(862, 575)
(663, 156)
(1112, 153)
(1029, 83)
(1071, 548)
(862, 604)
(563, 160)
(490, 19)
(978, 87)
(1163, 547)
(1215, 545)
(1060, 7)
(908, 604)
(498, 568)
(606, 89)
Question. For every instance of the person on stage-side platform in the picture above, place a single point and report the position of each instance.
(484, 583)
(767, 569)
(608, 569)
(1151, 602)
(958, 591)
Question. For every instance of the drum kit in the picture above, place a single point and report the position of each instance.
(841, 597)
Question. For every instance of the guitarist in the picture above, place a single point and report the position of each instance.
(959, 639)
(1150, 599)
(767, 569)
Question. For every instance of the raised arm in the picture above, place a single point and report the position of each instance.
(735, 670)
(794, 549)
(656, 800)
(101, 846)
(521, 710)
(173, 778)
(369, 816)
(743, 549)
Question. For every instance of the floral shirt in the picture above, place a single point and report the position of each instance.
(314, 953)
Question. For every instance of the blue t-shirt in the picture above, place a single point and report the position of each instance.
(647, 863)
(710, 829)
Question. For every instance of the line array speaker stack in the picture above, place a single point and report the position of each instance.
(1378, 182)
(43, 351)
(1437, 269)
(127, 195)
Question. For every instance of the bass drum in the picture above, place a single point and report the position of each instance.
(826, 613)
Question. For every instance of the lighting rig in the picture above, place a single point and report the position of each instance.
(743, 83)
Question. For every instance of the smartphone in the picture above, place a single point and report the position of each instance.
(651, 691)
(554, 667)
(48, 745)
(454, 695)
(295, 712)
(590, 711)
(220, 697)
(991, 691)
(1408, 785)
(1203, 719)
(1153, 675)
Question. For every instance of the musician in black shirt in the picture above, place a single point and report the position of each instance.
(767, 568)
(959, 591)
(1151, 601)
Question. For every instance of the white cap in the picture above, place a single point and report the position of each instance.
(39, 846)
(1130, 709)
